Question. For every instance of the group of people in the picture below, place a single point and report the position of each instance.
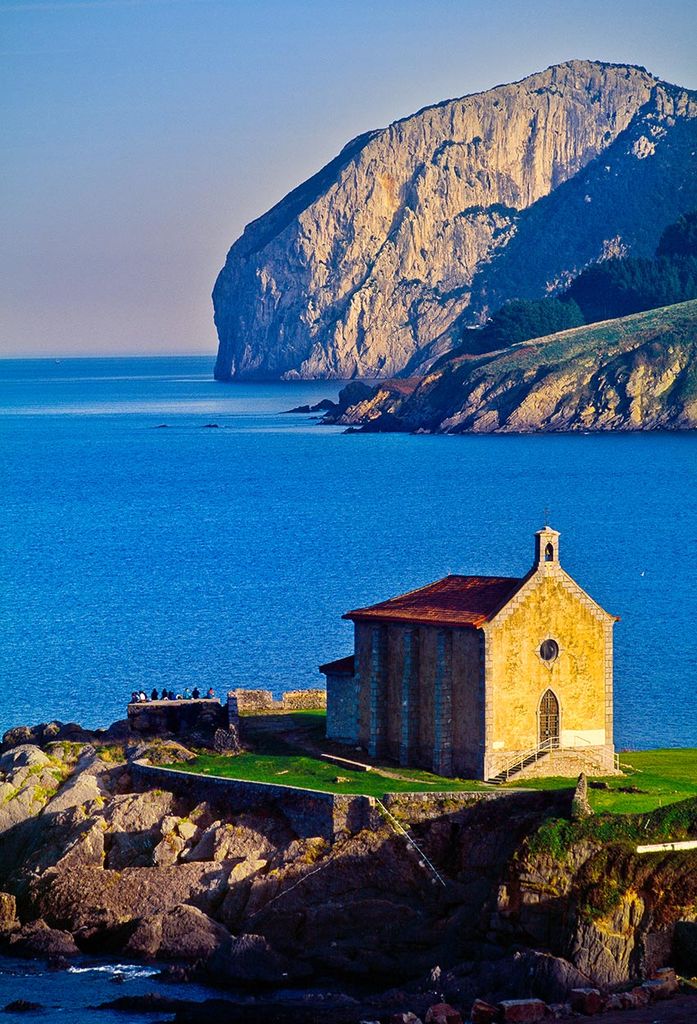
(139, 697)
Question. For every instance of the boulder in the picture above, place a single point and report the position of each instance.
(227, 741)
(70, 732)
(168, 849)
(668, 977)
(405, 1017)
(24, 756)
(23, 795)
(522, 1011)
(231, 842)
(641, 996)
(588, 1001)
(8, 912)
(37, 939)
(98, 900)
(159, 752)
(247, 869)
(658, 988)
(560, 1011)
(250, 959)
(84, 785)
(136, 830)
(186, 829)
(22, 1006)
(580, 805)
(136, 813)
(483, 1012)
(86, 848)
(20, 735)
(183, 933)
(442, 1013)
(551, 977)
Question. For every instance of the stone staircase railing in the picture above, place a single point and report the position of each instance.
(524, 761)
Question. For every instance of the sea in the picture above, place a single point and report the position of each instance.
(76, 995)
(161, 529)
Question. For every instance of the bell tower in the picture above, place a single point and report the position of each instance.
(546, 548)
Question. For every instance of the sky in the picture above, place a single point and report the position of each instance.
(140, 136)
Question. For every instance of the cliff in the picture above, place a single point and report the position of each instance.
(444, 215)
(634, 373)
(532, 904)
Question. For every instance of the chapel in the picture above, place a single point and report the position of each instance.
(482, 677)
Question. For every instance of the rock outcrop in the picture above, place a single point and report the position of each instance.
(531, 907)
(634, 373)
(444, 215)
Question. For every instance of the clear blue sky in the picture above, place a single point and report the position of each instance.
(140, 136)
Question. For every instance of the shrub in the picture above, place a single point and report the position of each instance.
(521, 320)
(680, 239)
(620, 287)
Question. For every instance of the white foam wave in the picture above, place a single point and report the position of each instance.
(127, 970)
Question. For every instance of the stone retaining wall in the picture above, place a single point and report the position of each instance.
(182, 718)
(417, 807)
(310, 812)
(263, 701)
(314, 813)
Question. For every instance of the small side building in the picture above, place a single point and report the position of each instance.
(481, 677)
(342, 699)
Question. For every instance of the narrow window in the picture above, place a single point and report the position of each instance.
(549, 553)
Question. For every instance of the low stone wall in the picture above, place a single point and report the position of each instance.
(310, 812)
(314, 813)
(416, 807)
(177, 717)
(263, 702)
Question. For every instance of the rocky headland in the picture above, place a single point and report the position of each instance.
(374, 265)
(634, 373)
(538, 901)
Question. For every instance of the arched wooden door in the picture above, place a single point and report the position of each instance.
(549, 719)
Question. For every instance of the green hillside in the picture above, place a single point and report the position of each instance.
(637, 372)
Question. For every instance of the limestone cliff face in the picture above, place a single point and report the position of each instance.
(442, 216)
(634, 373)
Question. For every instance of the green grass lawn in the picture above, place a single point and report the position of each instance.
(313, 773)
(280, 755)
(664, 776)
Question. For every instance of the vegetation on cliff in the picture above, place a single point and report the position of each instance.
(606, 290)
(634, 373)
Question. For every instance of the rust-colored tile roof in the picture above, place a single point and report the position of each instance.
(452, 601)
(346, 665)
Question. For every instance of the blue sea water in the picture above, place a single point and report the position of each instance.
(70, 996)
(135, 555)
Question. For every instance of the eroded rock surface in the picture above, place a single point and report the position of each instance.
(633, 373)
(444, 215)
(245, 900)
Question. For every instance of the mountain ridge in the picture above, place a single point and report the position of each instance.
(433, 221)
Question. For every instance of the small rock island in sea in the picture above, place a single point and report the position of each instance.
(341, 856)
